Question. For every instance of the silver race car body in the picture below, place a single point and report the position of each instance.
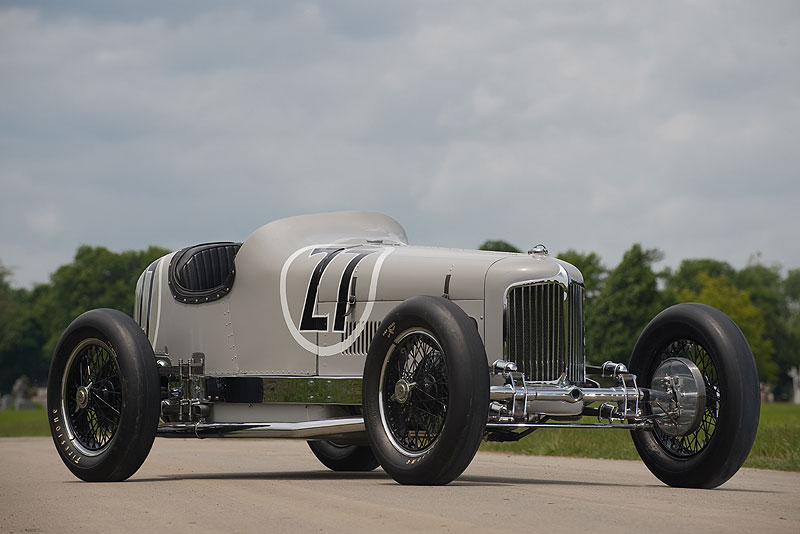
(332, 328)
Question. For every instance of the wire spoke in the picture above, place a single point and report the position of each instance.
(416, 422)
(691, 444)
(92, 395)
(98, 397)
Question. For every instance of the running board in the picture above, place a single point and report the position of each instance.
(329, 429)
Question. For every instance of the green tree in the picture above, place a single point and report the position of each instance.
(686, 275)
(791, 288)
(776, 300)
(628, 300)
(31, 321)
(766, 289)
(97, 278)
(768, 292)
(5, 289)
(736, 303)
(21, 335)
(498, 245)
(592, 268)
(791, 355)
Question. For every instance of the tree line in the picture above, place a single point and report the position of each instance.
(619, 303)
(32, 320)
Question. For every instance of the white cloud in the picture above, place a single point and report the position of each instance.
(587, 125)
(684, 128)
(45, 221)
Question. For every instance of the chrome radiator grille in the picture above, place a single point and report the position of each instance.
(544, 331)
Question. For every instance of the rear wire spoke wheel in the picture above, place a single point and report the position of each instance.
(711, 453)
(103, 396)
(343, 457)
(426, 391)
(92, 396)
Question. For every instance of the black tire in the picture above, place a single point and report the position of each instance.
(429, 433)
(341, 457)
(103, 396)
(710, 455)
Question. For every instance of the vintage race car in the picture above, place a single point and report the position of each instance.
(331, 328)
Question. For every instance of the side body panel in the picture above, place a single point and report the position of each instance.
(277, 314)
(310, 292)
(180, 330)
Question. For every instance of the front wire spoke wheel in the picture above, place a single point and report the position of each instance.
(709, 452)
(691, 444)
(414, 392)
(425, 395)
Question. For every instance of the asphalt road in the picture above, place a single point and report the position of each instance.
(278, 485)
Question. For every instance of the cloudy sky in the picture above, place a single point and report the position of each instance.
(579, 125)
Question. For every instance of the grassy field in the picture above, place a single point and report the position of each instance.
(25, 423)
(777, 443)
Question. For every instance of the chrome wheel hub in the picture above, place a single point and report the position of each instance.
(402, 390)
(682, 379)
(82, 397)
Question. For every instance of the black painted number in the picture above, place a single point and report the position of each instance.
(319, 323)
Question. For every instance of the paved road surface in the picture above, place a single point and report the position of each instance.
(278, 486)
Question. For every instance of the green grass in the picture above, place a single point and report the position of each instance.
(584, 443)
(777, 444)
(15, 424)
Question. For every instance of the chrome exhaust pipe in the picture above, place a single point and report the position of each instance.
(573, 394)
(559, 400)
(564, 394)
